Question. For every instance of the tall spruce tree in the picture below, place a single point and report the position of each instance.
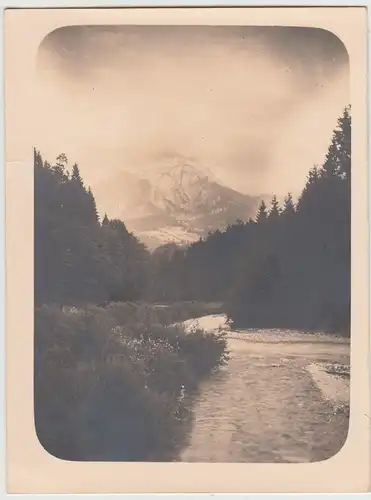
(262, 213)
(288, 205)
(274, 211)
(338, 158)
(76, 175)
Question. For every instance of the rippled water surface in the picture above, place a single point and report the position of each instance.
(265, 406)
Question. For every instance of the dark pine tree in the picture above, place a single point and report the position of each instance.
(105, 221)
(288, 205)
(76, 177)
(274, 211)
(262, 214)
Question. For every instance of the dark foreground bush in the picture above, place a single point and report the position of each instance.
(115, 390)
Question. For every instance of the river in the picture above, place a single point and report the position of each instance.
(274, 401)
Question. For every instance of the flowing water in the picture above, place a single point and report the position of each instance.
(266, 405)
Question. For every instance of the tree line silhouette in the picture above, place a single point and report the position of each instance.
(78, 259)
(287, 268)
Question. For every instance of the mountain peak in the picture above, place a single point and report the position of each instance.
(177, 200)
(181, 188)
(178, 166)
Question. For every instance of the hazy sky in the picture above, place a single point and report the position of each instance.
(255, 105)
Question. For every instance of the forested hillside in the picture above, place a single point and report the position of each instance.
(79, 259)
(290, 267)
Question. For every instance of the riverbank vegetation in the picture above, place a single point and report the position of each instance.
(109, 386)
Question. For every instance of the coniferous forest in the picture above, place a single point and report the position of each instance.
(288, 268)
(98, 291)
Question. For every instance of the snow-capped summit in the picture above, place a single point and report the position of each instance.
(182, 189)
(177, 200)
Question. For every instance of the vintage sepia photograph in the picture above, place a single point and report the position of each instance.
(187, 250)
(192, 244)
